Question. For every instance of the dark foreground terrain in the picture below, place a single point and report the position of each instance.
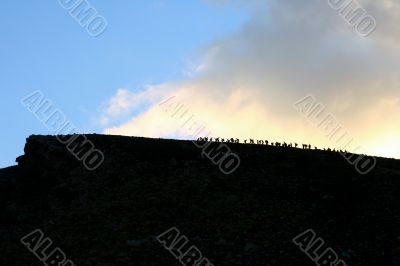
(112, 216)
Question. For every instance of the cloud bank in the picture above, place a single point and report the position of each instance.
(247, 82)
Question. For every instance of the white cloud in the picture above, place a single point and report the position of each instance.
(248, 81)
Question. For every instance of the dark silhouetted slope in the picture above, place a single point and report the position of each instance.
(112, 215)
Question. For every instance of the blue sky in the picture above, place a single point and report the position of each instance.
(43, 48)
(238, 65)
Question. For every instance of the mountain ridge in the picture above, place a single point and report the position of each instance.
(112, 215)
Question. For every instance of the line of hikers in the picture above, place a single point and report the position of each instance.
(265, 142)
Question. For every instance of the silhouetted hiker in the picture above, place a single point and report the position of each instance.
(277, 144)
(245, 141)
(217, 140)
(251, 141)
(309, 146)
(260, 142)
(237, 141)
(266, 142)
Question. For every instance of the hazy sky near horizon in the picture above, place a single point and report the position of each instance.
(237, 66)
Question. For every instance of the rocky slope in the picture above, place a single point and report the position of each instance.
(111, 216)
